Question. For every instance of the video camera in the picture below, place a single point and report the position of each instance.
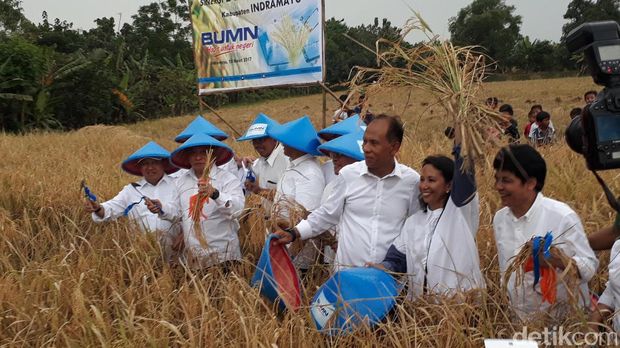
(596, 133)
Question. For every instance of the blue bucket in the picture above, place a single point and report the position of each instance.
(276, 277)
(352, 298)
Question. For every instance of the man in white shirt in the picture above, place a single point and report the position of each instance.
(371, 201)
(215, 240)
(151, 163)
(303, 180)
(520, 173)
(271, 164)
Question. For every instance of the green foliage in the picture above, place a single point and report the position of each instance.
(490, 24)
(581, 11)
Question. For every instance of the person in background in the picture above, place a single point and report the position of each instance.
(437, 245)
(575, 112)
(510, 126)
(520, 173)
(543, 134)
(352, 124)
(589, 97)
(492, 102)
(150, 163)
(343, 112)
(271, 163)
(371, 201)
(534, 111)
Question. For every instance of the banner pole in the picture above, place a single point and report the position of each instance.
(324, 108)
(219, 116)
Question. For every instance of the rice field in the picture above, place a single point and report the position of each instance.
(65, 281)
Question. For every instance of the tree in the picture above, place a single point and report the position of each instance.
(581, 11)
(490, 24)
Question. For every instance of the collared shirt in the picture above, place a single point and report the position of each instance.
(611, 295)
(164, 191)
(218, 222)
(328, 171)
(302, 182)
(269, 170)
(371, 212)
(545, 215)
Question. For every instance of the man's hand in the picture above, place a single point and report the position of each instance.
(252, 187)
(376, 265)
(555, 259)
(153, 205)
(248, 161)
(94, 207)
(205, 188)
(285, 237)
(178, 242)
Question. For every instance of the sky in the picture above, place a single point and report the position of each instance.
(541, 19)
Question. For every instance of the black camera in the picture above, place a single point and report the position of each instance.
(596, 133)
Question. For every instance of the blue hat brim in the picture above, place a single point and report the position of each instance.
(298, 134)
(200, 125)
(260, 119)
(150, 150)
(223, 153)
(349, 145)
(350, 125)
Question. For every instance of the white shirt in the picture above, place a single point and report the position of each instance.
(220, 227)
(164, 191)
(535, 126)
(303, 182)
(611, 295)
(371, 212)
(442, 244)
(328, 171)
(328, 252)
(269, 170)
(568, 235)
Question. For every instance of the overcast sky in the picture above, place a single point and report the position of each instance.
(542, 20)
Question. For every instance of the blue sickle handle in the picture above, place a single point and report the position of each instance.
(535, 249)
(129, 207)
(250, 176)
(91, 196)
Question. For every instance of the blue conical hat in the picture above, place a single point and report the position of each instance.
(349, 145)
(179, 156)
(350, 125)
(200, 125)
(353, 298)
(259, 128)
(298, 134)
(150, 150)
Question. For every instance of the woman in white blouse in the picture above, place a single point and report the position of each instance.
(437, 245)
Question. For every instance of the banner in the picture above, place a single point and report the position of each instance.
(241, 44)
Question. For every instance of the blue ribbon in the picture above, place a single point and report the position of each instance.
(250, 176)
(537, 243)
(129, 207)
(89, 194)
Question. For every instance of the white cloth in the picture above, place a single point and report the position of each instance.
(269, 170)
(442, 242)
(611, 295)
(328, 171)
(164, 191)
(220, 227)
(544, 215)
(371, 212)
(535, 126)
(303, 182)
(329, 253)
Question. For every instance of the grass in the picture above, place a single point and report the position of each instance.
(65, 281)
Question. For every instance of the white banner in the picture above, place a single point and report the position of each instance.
(241, 44)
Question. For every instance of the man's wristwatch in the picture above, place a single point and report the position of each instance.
(215, 195)
(98, 210)
(293, 232)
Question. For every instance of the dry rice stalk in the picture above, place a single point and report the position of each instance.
(287, 212)
(196, 209)
(292, 37)
(255, 221)
(452, 74)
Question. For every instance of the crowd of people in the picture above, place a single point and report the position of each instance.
(381, 213)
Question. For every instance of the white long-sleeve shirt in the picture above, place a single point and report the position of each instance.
(611, 295)
(568, 235)
(164, 190)
(303, 182)
(269, 170)
(220, 227)
(371, 212)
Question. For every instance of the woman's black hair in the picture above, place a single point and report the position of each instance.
(444, 165)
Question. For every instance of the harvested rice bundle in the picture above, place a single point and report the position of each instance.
(198, 200)
(286, 212)
(255, 222)
(452, 74)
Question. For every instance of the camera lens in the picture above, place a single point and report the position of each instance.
(574, 135)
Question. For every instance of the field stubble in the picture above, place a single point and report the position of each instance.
(66, 281)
